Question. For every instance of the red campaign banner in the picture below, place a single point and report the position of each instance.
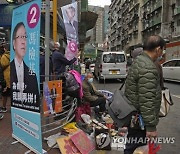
(82, 142)
(66, 146)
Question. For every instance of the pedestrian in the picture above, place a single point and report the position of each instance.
(136, 52)
(5, 64)
(159, 68)
(91, 95)
(42, 67)
(59, 60)
(143, 90)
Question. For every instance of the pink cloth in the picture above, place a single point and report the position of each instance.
(82, 109)
(78, 79)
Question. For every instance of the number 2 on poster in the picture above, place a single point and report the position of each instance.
(33, 15)
(33, 12)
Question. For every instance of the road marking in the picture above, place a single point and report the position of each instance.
(177, 96)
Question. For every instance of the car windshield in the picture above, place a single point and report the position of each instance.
(172, 63)
(113, 58)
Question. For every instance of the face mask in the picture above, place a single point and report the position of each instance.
(90, 80)
(160, 58)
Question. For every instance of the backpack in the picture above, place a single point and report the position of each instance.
(2, 80)
(72, 86)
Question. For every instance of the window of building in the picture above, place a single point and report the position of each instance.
(178, 22)
(178, 2)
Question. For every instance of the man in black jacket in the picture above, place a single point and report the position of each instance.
(59, 61)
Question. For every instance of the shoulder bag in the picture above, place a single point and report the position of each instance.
(166, 102)
(120, 108)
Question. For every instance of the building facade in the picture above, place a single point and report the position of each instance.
(97, 33)
(106, 16)
(132, 21)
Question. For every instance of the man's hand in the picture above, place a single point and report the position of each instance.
(122, 131)
(5, 89)
(151, 134)
(105, 97)
(78, 54)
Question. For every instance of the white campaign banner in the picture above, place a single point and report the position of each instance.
(71, 25)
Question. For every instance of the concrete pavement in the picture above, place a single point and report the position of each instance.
(6, 140)
(168, 127)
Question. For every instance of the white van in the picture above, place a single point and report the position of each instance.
(110, 65)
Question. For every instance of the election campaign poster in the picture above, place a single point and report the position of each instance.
(24, 75)
(52, 97)
(71, 25)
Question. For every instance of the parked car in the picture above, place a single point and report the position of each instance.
(91, 67)
(171, 70)
(110, 65)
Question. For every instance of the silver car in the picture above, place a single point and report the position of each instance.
(171, 70)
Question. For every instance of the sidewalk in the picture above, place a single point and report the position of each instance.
(6, 139)
(6, 136)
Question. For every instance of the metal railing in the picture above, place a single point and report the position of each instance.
(53, 123)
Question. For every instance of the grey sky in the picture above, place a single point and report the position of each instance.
(99, 2)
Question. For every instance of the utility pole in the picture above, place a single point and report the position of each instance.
(55, 20)
(47, 36)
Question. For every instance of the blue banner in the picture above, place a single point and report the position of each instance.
(25, 42)
(24, 73)
(27, 128)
